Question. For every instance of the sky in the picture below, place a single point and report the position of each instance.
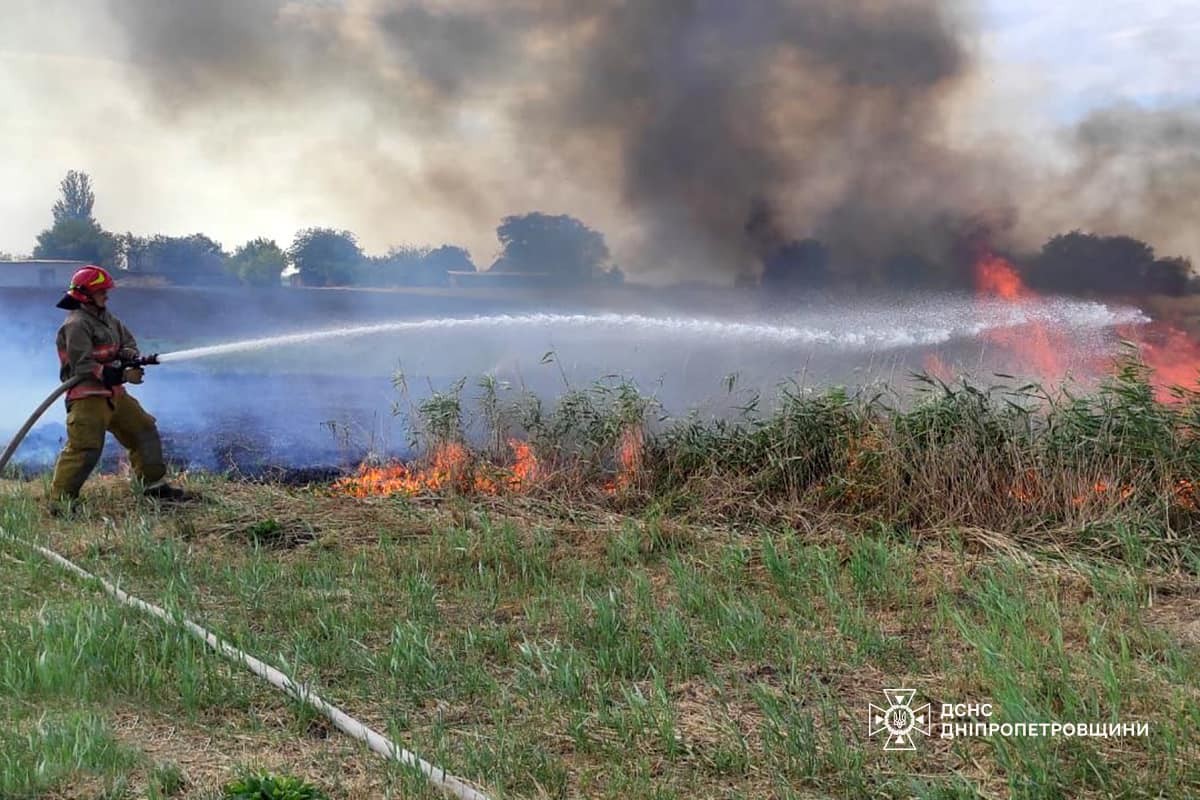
(72, 99)
(1081, 55)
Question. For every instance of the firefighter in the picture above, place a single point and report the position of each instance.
(93, 342)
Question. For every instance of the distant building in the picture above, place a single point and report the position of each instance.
(42, 272)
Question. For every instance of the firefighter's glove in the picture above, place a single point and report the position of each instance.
(111, 375)
(134, 374)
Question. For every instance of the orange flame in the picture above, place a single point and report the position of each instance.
(1100, 491)
(451, 467)
(1185, 494)
(997, 276)
(1026, 489)
(1035, 346)
(629, 460)
(525, 470)
(1172, 356)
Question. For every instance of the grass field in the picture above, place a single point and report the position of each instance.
(602, 657)
(677, 640)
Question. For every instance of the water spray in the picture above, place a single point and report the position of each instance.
(663, 326)
(881, 335)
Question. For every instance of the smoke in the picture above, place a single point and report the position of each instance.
(1132, 171)
(739, 127)
(700, 136)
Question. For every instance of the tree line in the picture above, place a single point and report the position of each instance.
(563, 250)
(553, 249)
(1072, 263)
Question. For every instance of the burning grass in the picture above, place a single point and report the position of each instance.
(1048, 468)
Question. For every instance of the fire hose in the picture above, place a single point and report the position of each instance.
(34, 417)
(441, 779)
(131, 363)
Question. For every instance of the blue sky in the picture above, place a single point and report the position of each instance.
(1094, 53)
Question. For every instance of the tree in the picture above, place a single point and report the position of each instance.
(562, 247)
(77, 240)
(449, 258)
(75, 235)
(187, 260)
(326, 257)
(436, 266)
(406, 265)
(1084, 261)
(77, 197)
(258, 263)
(398, 268)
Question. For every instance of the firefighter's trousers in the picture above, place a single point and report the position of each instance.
(88, 418)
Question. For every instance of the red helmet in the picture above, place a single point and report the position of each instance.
(87, 280)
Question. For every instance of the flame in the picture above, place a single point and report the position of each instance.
(451, 467)
(629, 460)
(1026, 489)
(525, 469)
(1185, 494)
(1171, 354)
(448, 468)
(997, 276)
(1100, 490)
(1036, 346)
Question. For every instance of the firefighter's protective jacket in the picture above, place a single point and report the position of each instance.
(90, 338)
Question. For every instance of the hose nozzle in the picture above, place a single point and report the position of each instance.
(143, 361)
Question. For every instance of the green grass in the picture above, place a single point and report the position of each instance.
(37, 754)
(546, 658)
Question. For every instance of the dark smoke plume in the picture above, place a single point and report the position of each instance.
(819, 116)
(705, 135)
(742, 126)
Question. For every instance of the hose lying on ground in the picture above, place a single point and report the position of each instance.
(379, 743)
(447, 783)
(34, 417)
